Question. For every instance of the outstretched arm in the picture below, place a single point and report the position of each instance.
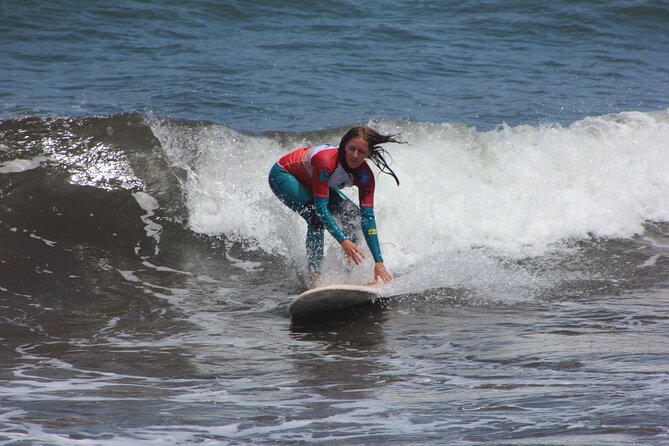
(352, 251)
(368, 223)
(370, 232)
(324, 215)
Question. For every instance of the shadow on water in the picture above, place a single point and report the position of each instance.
(349, 316)
(339, 356)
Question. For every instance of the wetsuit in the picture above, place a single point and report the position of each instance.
(308, 181)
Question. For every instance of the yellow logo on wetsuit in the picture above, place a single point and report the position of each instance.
(372, 231)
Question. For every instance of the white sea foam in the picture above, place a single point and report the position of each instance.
(149, 204)
(515, 190)
(21, 165)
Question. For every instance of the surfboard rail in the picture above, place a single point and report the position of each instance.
(330, 298)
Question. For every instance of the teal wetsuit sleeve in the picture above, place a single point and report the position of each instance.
(368, 223)
(325, 216)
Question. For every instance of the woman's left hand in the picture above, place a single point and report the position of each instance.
(381, 273)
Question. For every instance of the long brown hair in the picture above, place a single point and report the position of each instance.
(376, 152)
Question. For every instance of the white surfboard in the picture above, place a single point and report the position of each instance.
(317, 302)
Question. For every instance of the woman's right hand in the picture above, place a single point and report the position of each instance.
(353, 252)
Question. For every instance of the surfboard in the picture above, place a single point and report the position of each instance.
(318, 302)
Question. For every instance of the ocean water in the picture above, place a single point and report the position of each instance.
(146, 268)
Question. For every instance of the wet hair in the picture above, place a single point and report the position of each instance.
(377, 154)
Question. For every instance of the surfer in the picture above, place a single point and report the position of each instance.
(308, 181)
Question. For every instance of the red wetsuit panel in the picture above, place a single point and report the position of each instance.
(318, 169)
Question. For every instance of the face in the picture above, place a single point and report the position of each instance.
(356, 151)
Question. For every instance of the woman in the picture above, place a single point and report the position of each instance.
(308, 182)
